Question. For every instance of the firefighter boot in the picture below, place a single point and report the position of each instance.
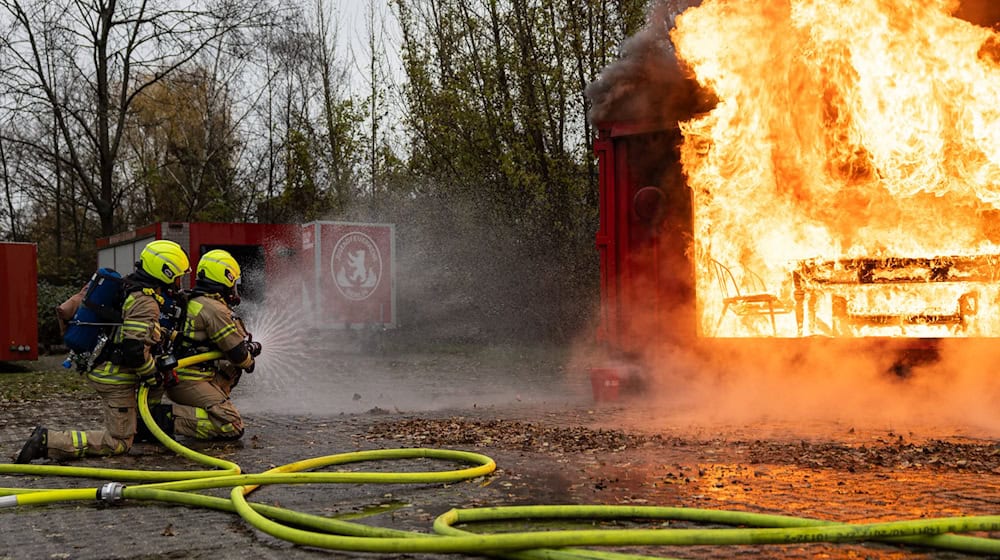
(163, 415)
(142, 433)
(36, 447)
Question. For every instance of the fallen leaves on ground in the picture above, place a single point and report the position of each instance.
(938, 455)
(510, 434)
(931, 454)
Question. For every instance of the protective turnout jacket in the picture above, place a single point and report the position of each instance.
(210, 325)
(131, 359)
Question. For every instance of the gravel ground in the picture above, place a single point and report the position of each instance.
(552, 443)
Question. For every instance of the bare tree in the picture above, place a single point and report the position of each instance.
(380, 93)
(183, 146)
(84, 62)
(337, 105)
(311, 124)
(8, 191)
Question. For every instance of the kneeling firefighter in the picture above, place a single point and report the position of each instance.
(125, 362)
(202, 408)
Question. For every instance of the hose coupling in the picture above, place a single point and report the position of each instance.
(8, 501)
(111, 492)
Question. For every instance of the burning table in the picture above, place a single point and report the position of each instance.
(895, 296)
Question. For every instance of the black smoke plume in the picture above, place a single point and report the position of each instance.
(647, 83)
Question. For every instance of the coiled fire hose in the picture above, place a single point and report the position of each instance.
(179, 487)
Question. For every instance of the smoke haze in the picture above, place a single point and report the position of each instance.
(851, 383)
(459, 342)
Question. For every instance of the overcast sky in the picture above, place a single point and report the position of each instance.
(353, 28)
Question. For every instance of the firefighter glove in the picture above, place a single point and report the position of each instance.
(152, 380)
(166, 370)
(170, 378)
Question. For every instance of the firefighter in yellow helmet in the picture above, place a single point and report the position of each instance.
(202, 408)
(125, 362)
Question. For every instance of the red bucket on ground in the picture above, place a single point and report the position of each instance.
(605, 382)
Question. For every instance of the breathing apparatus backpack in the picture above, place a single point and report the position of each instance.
(93, 322)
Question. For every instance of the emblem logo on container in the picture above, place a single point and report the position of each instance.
(356, 266)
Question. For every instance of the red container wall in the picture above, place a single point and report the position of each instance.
(646, 277)
(18, 301)
(280, 243)
(354, 274)
(314, 266)
(607, 327)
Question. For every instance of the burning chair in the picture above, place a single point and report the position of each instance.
(752, 300)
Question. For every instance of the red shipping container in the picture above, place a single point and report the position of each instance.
(267, 253)
(351, 271)
(18, 301)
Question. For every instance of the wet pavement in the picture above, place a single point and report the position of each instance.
(552, 445)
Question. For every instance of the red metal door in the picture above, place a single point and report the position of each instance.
(607, 327)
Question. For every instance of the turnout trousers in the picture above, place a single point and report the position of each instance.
(202, 409)
(121, 412)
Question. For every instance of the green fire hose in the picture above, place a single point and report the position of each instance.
(179, 487)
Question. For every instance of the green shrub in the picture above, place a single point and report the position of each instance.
(49, 296)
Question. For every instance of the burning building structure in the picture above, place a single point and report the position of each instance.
(801, 169)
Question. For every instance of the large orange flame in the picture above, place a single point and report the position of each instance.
(852, 162)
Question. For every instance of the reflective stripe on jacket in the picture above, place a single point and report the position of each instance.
(209, 324)
(140, 321)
